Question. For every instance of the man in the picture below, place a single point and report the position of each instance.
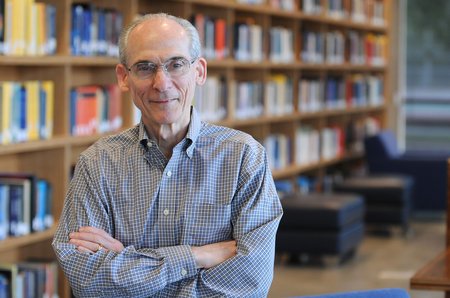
(173, 207)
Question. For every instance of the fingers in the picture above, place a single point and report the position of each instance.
(87, 246)
(93, 240)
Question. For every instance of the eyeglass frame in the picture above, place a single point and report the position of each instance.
(160, 65)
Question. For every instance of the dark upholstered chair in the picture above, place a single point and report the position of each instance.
(428, 169)
(320, 225)
(387, 198)
(378, 293)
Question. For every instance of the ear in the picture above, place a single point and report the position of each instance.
(122, 77)
(201, 71)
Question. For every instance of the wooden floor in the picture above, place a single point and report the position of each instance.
(381, 261)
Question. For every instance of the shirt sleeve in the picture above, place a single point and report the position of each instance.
(256, 214)
(133, 272)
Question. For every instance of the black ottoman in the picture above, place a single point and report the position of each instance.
(387, 198)
(321, 225)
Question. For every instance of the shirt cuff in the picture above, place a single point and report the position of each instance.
(180, 261)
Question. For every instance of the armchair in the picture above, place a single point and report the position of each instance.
(428, 169)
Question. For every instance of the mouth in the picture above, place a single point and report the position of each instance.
(163, 100)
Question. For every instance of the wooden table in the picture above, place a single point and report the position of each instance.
(435, 275)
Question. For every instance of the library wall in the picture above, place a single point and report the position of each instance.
(307, 78)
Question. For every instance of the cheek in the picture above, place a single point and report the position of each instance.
(188, 89)
(138, 96)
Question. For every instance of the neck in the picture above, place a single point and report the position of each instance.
(167, 136)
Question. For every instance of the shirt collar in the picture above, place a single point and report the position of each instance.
(191, 137)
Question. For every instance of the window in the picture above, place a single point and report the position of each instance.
(428, 75)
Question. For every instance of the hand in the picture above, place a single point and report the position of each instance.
(92, 240)
(210, 255)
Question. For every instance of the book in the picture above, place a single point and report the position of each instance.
(33, 278)
(32, 93)
(2, 26)
(6, 102)
(86, 118)
(21, 191)
(47, 92)
(221, 45)
(4, 211)
(40, 278)
(9, 273)
(34, 198)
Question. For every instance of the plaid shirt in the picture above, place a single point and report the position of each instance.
(216, 186)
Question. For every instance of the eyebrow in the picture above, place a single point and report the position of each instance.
(171, 58)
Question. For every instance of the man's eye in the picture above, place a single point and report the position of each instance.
(176, 64)
(145, 67)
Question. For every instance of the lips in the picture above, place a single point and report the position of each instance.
(166, 100)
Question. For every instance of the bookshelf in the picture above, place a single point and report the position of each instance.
(54, 158)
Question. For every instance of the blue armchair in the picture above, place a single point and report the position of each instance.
(428, 169)
(378, 293)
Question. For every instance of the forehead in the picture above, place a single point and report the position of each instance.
(157, 40)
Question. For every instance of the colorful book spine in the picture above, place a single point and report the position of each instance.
(27, 111)
(29, 28)
(95, 31)
(26, 204)
(95, 109)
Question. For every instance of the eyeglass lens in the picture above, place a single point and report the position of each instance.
(173, 67)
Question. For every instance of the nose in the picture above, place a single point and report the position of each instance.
(161, 80)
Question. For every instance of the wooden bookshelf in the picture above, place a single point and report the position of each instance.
(54, 159)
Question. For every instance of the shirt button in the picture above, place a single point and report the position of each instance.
(169, 173)
(149, 145)
(183, 272)
(166, 212)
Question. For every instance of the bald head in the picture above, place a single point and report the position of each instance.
(161, 24)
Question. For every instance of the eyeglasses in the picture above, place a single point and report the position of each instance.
(174, 67)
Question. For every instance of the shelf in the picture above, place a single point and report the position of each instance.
(295, 170)
(57, 60)
(298, 116)
(53, 143)
(54, 159)
(33, 238)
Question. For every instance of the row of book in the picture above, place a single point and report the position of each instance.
(26, 110)
(249, 99)
(358, 10)
(279, 95)
(335, 47)
(281, 45)
(306, 184)
(26, 204)
(338, 92)
(276, 97)
(312, 144)
(95, 30)
(213, 35)
(288, 5)
(248, 41)
(29, 279)
(303, 184)
(27, 28)
(211, 99)
(95, 109)
(367, 11)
